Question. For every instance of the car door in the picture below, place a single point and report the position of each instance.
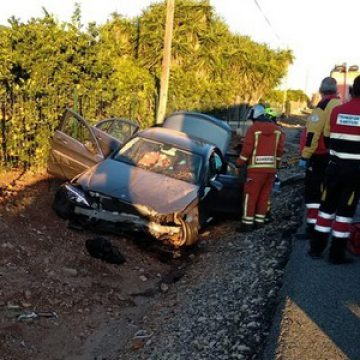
(74, 147)
(228, 197)
(113, 133)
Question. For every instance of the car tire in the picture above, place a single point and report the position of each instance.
(190, 232)
(61, 204)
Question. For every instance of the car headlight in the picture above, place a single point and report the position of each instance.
(76, 195)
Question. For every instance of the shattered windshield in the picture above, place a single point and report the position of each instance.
(161, 158)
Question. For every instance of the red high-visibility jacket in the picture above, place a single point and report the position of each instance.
(345, 131)
(263, 147)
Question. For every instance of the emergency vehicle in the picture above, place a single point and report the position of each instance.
(344, 77)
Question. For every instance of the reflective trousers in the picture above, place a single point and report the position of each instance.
(257, 191)
(314, 179)
(338, 205)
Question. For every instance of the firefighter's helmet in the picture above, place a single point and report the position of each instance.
(271, 113)
(256, 112)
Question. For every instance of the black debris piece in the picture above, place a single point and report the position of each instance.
(173, 276)
(101, 248)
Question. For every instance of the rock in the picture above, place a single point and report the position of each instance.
(197, 345)
(69, 271)
(143, 278)
(7, 245)
(120, 297)
(148, 343)
(164, 287)
(173, 276)
(26, 304)
(253, 325)
(205, 233)
(27, 294)
(243, 348)
(202, 319)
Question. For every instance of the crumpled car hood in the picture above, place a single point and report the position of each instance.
(136, 186)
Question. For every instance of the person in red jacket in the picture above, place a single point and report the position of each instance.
(342, 181)
(261, 152)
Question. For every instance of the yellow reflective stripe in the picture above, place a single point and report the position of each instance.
(256, 134)
(323, 195)
(247, 222)
(268, 205)
(250, 218)
(277, 134)
(262, 166)
(243, 157)
(259, 220)
(260, 216)
(351, 199)
(245, 205)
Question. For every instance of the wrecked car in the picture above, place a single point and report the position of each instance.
(164, 181)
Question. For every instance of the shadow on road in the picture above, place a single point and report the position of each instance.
(319, 313)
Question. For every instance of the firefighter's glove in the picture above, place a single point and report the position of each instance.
(303, 164)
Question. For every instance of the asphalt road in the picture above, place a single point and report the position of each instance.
(319, 313)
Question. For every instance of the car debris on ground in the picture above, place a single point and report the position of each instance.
(101, 248)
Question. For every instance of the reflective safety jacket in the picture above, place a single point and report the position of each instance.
(317, 126)
(345, 131)
(263, 147)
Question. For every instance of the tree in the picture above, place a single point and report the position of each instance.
(114, 70)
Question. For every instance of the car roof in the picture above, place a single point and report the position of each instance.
(177, 138)
(199, 125)
(197, 115)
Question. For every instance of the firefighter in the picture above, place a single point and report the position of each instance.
(261, 152)
(342, 181)
(314, 153)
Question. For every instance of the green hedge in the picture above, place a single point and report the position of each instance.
(114, 70)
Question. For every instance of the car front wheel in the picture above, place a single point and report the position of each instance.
(190, 228)
(62, 205)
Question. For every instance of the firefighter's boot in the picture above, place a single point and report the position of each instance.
(337, 251)
(318, 244)
(245, 228)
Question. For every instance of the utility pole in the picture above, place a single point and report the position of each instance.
(284, 100)
(345, 88)
(165, 67)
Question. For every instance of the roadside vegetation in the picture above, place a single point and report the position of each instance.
(114, 69)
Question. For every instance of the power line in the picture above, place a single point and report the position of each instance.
(266, 19)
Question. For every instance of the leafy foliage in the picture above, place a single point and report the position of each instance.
(114, 70)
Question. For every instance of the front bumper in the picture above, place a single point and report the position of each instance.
(111, 214)
(135, 222)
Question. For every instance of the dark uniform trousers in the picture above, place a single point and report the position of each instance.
(338, 205)
(313, 187)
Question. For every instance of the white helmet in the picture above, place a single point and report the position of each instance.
(255, 112)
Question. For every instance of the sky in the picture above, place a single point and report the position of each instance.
(320, 33)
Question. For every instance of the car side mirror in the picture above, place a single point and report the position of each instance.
(217, 185)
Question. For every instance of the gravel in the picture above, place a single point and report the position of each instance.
(227, 311)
